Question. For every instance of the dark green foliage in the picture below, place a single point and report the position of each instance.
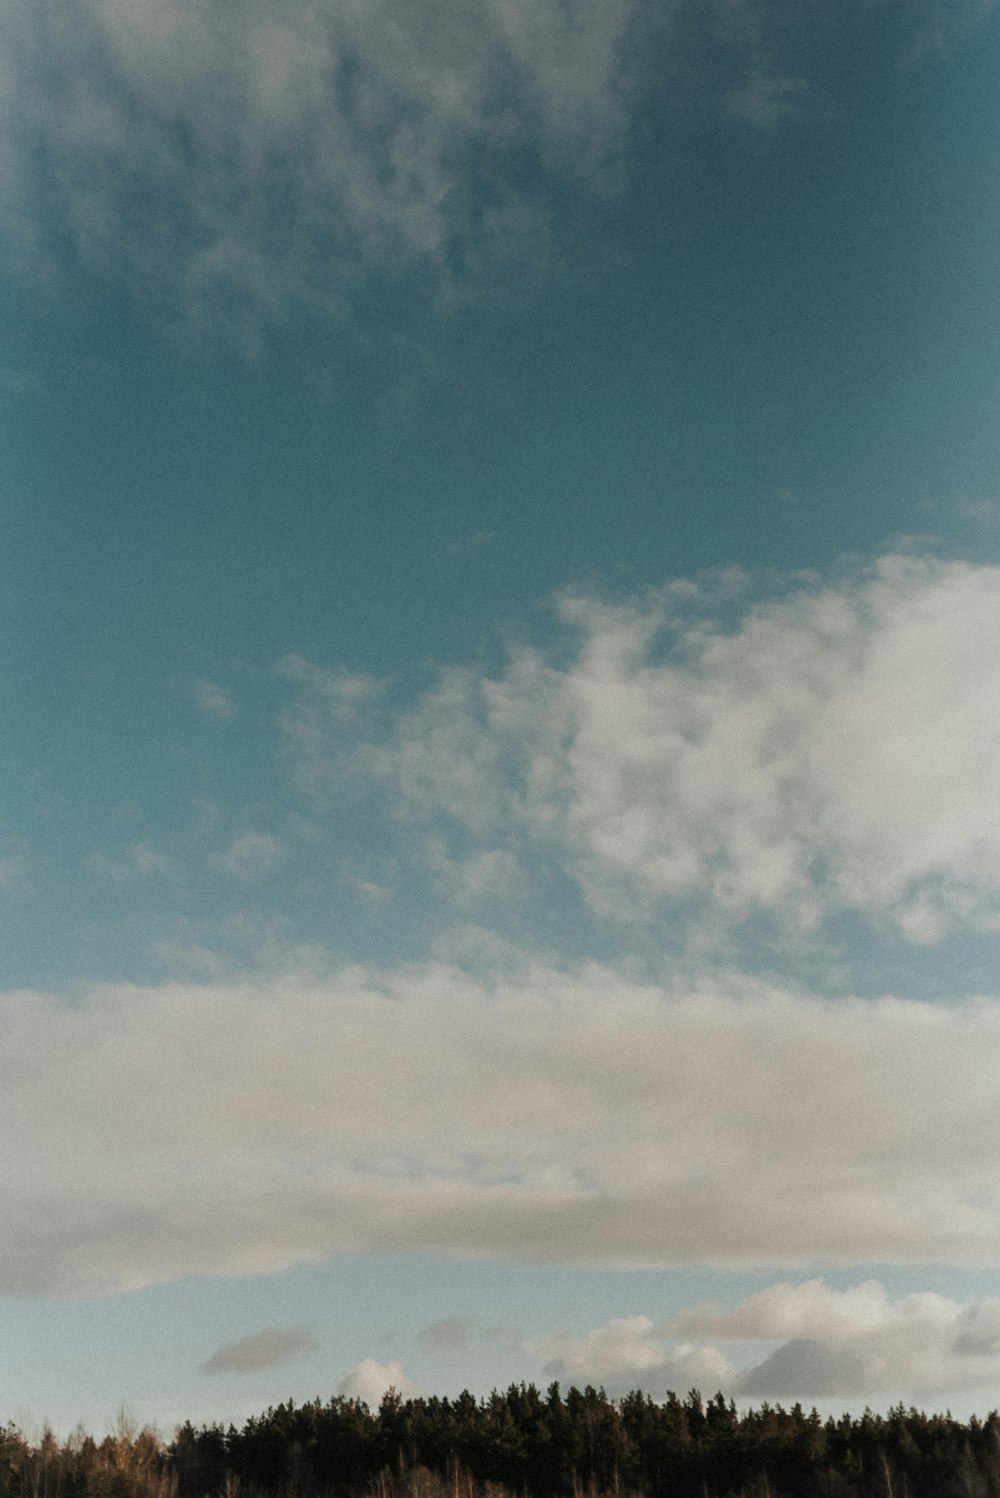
(519, 1443)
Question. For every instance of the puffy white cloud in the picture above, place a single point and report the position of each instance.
(831, 749)
(271, 1348)
(854, 1343)
(630, 1353)
(370, 1381)
(626, 1343)
(858, 1341)
(574, 1117)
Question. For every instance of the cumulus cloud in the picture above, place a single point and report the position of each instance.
(859, 1342)
(270, 1348)
(554, 1116)
(829, 749)
(854, 1343)
(629, 1353)
(369, 1381)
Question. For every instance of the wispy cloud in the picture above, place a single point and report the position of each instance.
(252, 856)
(257, 159)
(139, 861)
(270, 1348)
(213, 700)
(239, 164)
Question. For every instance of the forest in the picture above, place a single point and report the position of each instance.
(519, 1443)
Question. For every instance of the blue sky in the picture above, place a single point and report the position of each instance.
(501, 582)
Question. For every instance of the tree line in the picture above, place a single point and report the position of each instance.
(520, 1443)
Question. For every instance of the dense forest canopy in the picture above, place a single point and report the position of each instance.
(522, 1443)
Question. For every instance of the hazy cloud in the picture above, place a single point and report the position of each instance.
(270, 1348)
(214, 701)
(140, 861)
(13, 863)
(240, 162)
(252, 856)
(244, 159)
(452, 1334)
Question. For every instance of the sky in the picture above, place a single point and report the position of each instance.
(500, 834)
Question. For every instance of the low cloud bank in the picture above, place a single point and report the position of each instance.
(851, 1343)
(568, 1117)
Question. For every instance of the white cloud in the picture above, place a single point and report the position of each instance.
(846, 1343)
(858, 1341)
(273, 1347)
(832, 749)
(562, 1117)
(631, 1353)
(627, 1343)
(370, 1380)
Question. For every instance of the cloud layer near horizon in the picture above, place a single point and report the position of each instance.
(563, 1117)
(833, 1343)
(692, 752)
